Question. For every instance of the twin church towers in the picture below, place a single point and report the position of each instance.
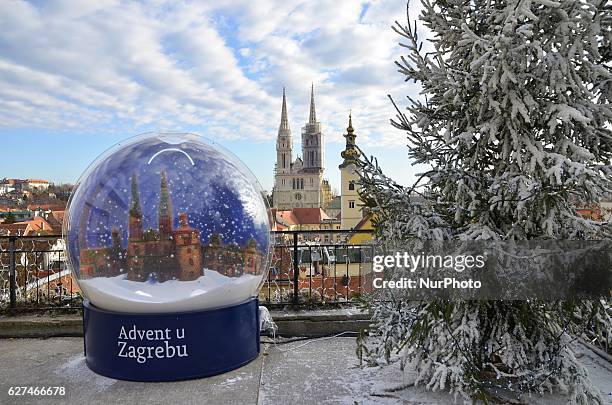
(299, 183)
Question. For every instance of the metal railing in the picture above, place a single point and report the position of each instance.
(33, 273)
(307, 267)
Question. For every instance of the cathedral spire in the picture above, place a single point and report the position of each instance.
(165, 208)
(312, 118)
(350, 152)
(135, 213)
(164, 199)
(135, 209)
(284, 129)
(284, 143)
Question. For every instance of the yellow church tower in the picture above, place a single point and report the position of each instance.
(350, 204)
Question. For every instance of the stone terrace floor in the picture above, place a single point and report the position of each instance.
(320, 371)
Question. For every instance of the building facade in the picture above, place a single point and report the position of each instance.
(350, 204)
(299, 183)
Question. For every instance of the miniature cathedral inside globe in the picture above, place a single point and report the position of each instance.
(167, 223)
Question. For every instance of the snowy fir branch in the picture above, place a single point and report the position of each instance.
(514, 123)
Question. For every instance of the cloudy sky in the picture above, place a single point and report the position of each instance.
(78, 76)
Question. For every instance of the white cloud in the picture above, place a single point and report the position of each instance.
(209, 65)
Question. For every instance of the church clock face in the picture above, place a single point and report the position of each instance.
(298, 196)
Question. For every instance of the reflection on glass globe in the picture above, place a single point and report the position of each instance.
(167, 223)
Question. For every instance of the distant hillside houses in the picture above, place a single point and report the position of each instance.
(31, 207)
(8, 185)
(36, 222)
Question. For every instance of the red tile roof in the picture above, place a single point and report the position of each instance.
(54, 206)
(309, 215)
(58, 215)
(298, 216)
(286, 217)
(33, 226)
(17, 228)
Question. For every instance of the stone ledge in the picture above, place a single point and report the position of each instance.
(320, 315)
(320, 322)
(40, 326)
(290, 324)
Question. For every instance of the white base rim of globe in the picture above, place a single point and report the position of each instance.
(212, 290)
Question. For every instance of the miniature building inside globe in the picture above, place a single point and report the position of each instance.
(166, 253)
(174, 228)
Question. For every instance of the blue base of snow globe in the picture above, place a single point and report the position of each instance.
(170, 346)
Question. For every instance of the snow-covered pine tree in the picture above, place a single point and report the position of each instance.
(514, 123)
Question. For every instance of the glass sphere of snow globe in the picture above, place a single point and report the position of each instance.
(167, 223)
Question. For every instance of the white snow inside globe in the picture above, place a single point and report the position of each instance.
(167, 223)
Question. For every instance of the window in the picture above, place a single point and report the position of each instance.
(352, 204)
(352, 185)
(352, 254)
(293, 183)
(284, 162)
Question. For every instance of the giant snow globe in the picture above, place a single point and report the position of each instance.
(169, 238)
